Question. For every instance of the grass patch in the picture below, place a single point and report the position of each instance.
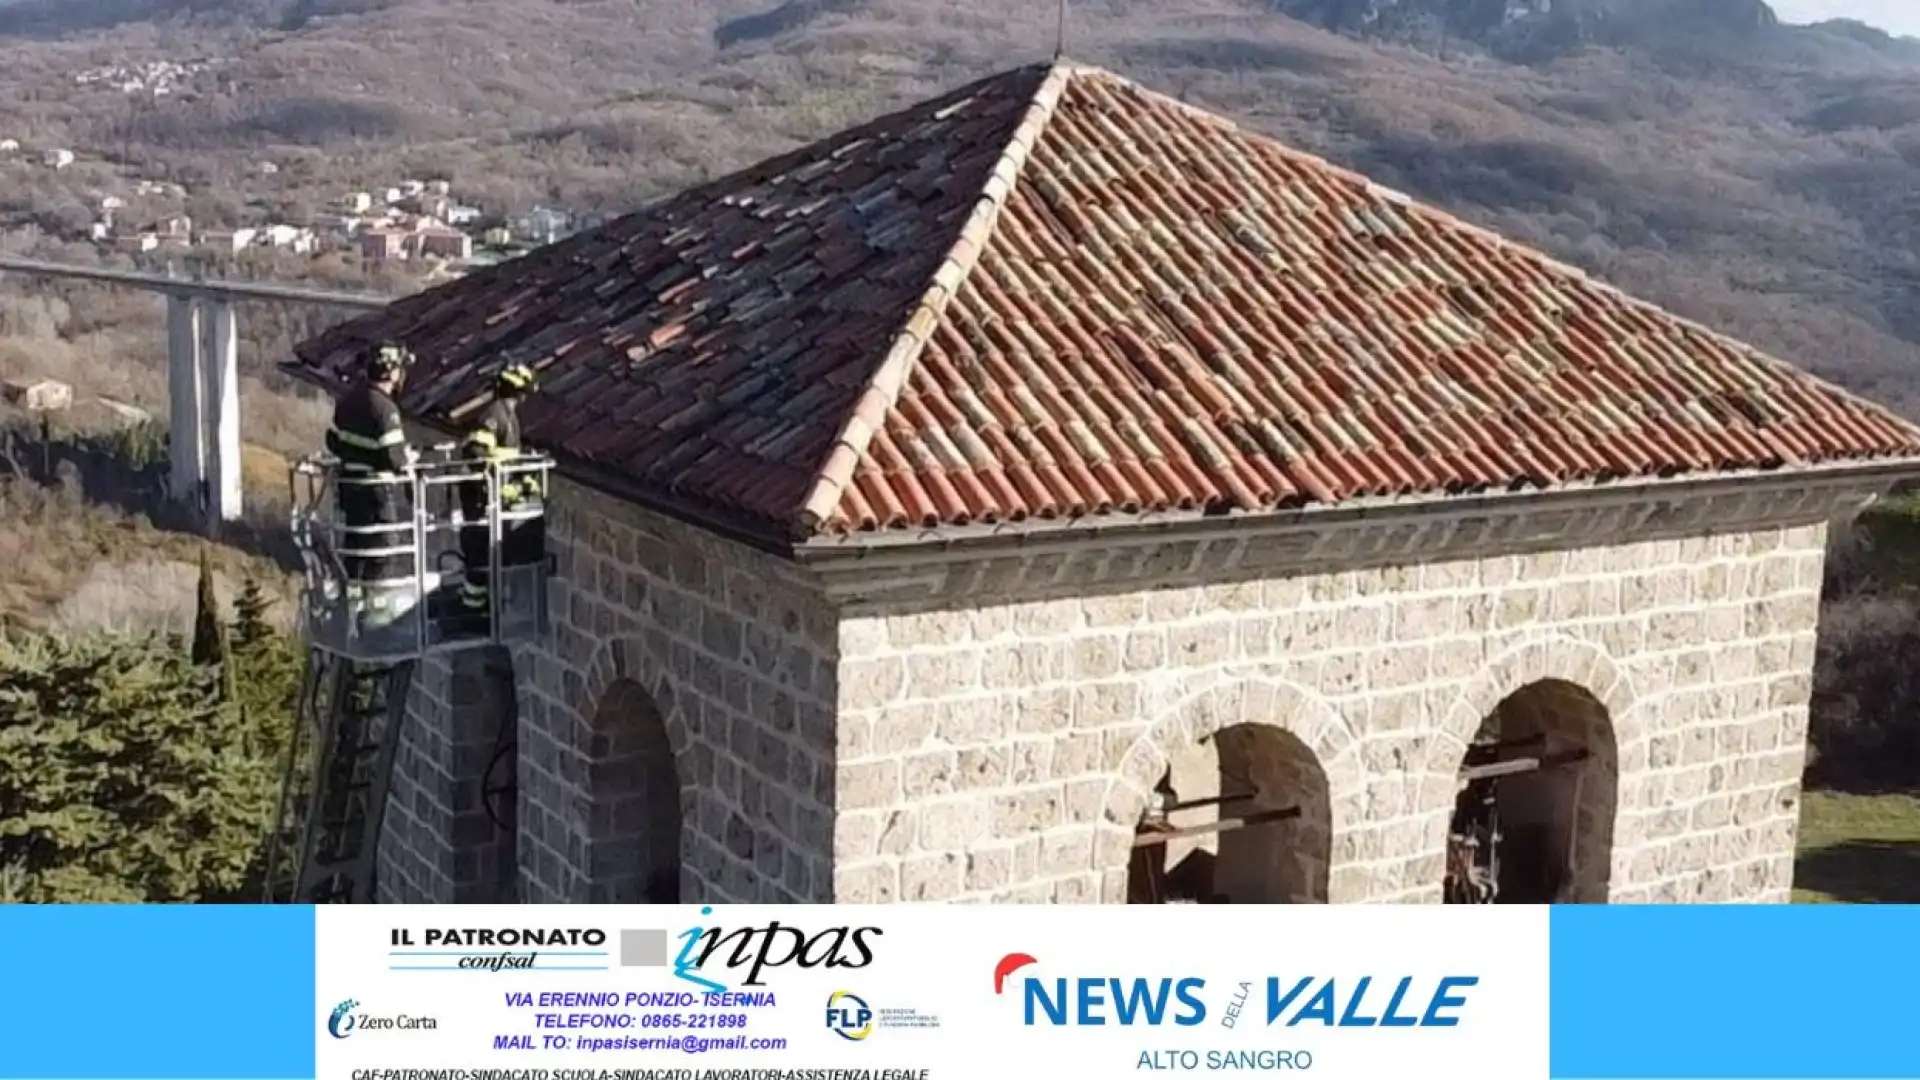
(1858, 849)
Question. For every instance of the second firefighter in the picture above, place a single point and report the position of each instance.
(495, 440)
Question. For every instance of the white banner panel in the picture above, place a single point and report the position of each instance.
(929, 993)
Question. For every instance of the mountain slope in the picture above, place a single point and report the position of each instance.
(1761, 178)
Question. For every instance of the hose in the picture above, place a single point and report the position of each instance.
(490, 790)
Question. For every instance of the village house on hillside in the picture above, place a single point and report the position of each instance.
(994, 502)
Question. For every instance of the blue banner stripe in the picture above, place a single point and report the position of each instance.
(170, 992)
(1637, 993)
(1715, 993)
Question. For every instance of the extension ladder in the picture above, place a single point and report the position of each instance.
(339, 767)
(324, 848)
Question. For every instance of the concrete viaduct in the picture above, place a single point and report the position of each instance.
(203, 373)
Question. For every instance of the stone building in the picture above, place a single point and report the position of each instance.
(942, 499)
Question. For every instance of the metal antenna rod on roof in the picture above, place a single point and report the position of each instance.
(1060, 33)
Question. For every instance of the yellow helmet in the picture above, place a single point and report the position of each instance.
(516, 379)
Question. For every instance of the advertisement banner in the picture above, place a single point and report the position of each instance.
(927, 993)
(974, 992)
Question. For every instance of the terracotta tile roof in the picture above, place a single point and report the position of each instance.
(1054, 294)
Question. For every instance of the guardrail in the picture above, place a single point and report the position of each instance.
(195, 287)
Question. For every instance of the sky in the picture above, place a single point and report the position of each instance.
(1893, 16)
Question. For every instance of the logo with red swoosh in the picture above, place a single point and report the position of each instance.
(1009, 964)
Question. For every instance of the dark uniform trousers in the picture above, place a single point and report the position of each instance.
(495, 440)
(372, 491)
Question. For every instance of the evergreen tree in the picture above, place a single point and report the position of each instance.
(123, 777)
(250, 626)
(209, 636)
(15, 884)
(229, 673)
(267, 666)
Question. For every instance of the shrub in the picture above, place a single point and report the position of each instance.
(1866, 688)
(1865, 732)
(123, 777)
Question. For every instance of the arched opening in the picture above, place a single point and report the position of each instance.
(1242, 817)
(1533, 818)
(633, 825)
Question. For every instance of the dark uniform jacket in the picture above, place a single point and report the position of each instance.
(495, 437)
(367, 435)
(369, 441)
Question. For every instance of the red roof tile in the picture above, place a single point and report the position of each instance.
(1053, 294)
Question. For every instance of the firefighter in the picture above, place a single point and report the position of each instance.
(376, 507)
(495, 441)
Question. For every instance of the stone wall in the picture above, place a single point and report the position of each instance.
(441, 842)
(673, 734)
(676, 659)
(1005, 752)
(988, 726)
(438, 842)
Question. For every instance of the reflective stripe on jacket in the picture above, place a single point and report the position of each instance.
(367, 434)
(495, 440)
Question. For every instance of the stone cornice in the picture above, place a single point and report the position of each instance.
(1055, 560)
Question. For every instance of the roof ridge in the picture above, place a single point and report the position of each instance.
(883, 387)
(1500, 242)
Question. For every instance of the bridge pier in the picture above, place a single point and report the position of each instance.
(203, 370)
(203, 406)
(222, 373)
(186, 443)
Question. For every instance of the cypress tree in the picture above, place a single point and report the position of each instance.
(209, 631)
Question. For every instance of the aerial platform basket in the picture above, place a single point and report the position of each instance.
(412, 609)
(376, 599)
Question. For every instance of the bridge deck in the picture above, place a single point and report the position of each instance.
(173, 286)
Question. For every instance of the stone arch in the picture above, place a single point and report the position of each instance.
(1570, 695)
(1264, 716)
(633, 747)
